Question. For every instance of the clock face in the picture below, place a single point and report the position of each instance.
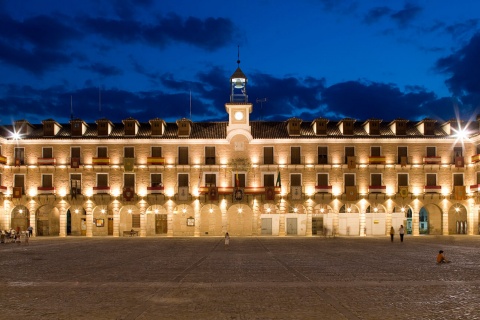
(238, 115)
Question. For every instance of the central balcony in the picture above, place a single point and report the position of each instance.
(101, 161)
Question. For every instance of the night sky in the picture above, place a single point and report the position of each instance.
(172, 59)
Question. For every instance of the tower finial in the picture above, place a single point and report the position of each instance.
(238, 59)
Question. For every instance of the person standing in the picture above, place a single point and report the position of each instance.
(227, 240)
(392, 233)
(401, 231)
(30, 231)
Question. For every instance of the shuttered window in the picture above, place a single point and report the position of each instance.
(47, 180)
(295, 155)
(296, 180)
(183, 180)
(47, 152)
(182, 155)
(129, 152)
(102, 152)
(269, 180)
(402, 179)
(102, 179)
(431, 179)
(267, 155)
(322, 179)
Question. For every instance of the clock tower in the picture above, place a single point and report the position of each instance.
(238, 108)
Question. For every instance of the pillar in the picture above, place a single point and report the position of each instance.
(89, 218)
(116, 218)
(63, 218)
(416, 217)
(197, 217)
(32, 208)
(362, 224)
(143, 218)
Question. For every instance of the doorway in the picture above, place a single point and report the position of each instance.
(161, 223)
(266, 226)
(110, 226)
(292, 226)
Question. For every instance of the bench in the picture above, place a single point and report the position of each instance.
(130, 233)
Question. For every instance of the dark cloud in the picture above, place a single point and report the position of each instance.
(462, 28)
(363, 100)
(406, 15)
(464, 68)
(103, 69)
(375, 14)
(113, 29)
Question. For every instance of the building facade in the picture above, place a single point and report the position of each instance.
(248, 178)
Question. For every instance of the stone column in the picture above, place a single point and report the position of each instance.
(7, 207)
(32, 208)
(63, 218)
(169, 208)
(89, 218)
(197, 216)
(472, 217)
(143, 218)
(116, 218)
(416, 217)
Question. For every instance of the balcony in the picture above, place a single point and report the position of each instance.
(3, 189)
(101, 190)
(433, 189)
(323, 189)
(46, 161)
(75, 162)
(155, 161)
(376, 160)
(156, 190)
(101, 161)
(432, 160)
(3, 160)
(45, 190)
(377, 189)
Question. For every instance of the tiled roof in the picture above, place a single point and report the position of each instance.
(218, 130)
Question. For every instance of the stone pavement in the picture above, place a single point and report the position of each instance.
(256, 278)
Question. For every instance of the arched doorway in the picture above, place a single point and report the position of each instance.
(239, 217)
(430, 220)
(457, 219)
(375, 220)
(210, 220)
(76, 221)
(48, 221)
(349, 220)
(20, 218)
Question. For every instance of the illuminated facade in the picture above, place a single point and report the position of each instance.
(248, 178)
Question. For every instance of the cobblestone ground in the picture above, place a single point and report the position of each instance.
(256, 278)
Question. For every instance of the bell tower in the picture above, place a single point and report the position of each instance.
(238, 108)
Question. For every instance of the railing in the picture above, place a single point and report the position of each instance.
(323, 189)
(101, 190)
(433, 189)
(155, 190)
(377, 189)
(155, 161)
(101, 161)
(296, 160)
(475, 188)
(376, 160)
(46, 161)
(3, 189)
(432, 160)
(46, 190)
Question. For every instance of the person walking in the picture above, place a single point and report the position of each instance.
(30, 231)
(392, 233)
(227, 240)
(401, 231)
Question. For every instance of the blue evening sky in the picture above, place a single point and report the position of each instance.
(309, 58)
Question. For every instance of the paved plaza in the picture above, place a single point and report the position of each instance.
(256, 278)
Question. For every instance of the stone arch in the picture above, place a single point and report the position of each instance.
(47, 220)
(239, 220)
(20, 218)
(181, 214)
(457, 219)
(431, 219)
(129, 217)
(76, 221)
(349, 220)
(156, 220)
(211, 220)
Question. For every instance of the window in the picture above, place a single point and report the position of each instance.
(19, 156)
(431, 179)
(431, 151)
(76, 183)
(47, 180)
(19, 182)
(156, 180)
(0, 179)
(129, 152)
(478, 148)
(209, 155)
(267, 155)
(182, 155)
(322, 155)
(102, 179)
(0, 149)
(402, 152)
(349, 180)
(269, 180)
(322, 179)
(457, 153)
(349, 152)
(183, 179)
(157, 152)
(376, 179)
(239, 180)
(135, 220)
(402, 179)
(458, 179)
(295, 179)
(75, 152)
(478, 177)
(375, 151)
(47, 152)
(295, 155)
(102, 152)
(129, 180)
(210, 179)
